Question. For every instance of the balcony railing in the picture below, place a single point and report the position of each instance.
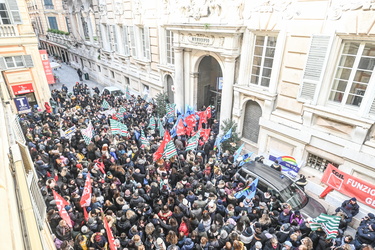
(8, 30)
(49, 7)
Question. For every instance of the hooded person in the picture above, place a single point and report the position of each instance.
(188, 244)
(284, 233)
(246, 237)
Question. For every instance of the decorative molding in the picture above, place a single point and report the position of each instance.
(119, 9)
(339, 6)
(283, 6)
(102, 9)
(200, 39)
(200, 8)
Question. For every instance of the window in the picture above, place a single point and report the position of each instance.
(9, 13)
(264, 52)
(125, 41)
(132, 41)
(105, 33)
(48, 4)
(99, 69)
(170, 50)
(112, 74)
(115, 44)
(11, 62)
(145, 40)
(318, 163)
(52, 23)
(353, 73)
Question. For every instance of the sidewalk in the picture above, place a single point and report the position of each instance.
(69, 77)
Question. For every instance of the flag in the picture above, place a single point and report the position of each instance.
(170, 150)
(226, 136)
(159, 152)
(249, 191)
(189, 110)
(217, 143)
(69, 132)
(105, 104)
(205, 133)
(118, 128)
(88, 133)
(170, 110)
(86, 195)
(144, 140)
(152, 123)
(181, 127)
(111, 239)
(127, 93)
(193, 142)
(161, 128)
(238, 152)
(329, 223)
(60, 204)
(207, 112)
(245, 158)
(122, 110)
(119, 116)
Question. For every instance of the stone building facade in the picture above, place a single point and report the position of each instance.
(296, 75)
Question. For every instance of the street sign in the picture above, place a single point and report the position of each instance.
(22, 104)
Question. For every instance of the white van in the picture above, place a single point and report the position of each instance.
(113, 91)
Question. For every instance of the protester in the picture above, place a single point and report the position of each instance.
(144, 199)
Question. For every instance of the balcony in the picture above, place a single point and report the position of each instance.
(61, 38)
(8, 30)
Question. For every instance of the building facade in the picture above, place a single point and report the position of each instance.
(23, 84)
(296, 75)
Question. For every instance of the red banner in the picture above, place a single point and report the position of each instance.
(111, 239)
(86, 195)
(60, 204)
(22, 88)
(349, 185)
(47, 66)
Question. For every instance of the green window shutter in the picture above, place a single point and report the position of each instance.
(315, 66)
(13, 8)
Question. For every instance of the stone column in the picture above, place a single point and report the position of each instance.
(189, 88)
(89, 27)
(194, 83)
(227, 91)
(179, 79)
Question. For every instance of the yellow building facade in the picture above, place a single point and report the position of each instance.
(23, 214)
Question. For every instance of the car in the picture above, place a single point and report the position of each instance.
(112, 90)
(281, 186)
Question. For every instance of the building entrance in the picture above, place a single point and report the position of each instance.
(210, 83)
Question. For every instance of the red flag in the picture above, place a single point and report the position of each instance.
(85, 214)
(86, 195)
(181, 130)
(61, 203)
(159, 153)
(205, 133)
(111, 239)
(190, 120)
(208, 112)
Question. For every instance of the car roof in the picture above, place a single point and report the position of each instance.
(112, 88)
(268, 174)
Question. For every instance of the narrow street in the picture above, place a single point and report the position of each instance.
(68, 75)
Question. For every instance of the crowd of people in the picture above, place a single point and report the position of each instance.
(186, 202)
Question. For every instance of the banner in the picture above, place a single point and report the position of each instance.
(22, 104)
(47, 66)
(349, 185)
(288, 165)
(22, 88)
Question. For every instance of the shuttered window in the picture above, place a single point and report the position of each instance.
(132, 42)
(145, 38)
(315, 65)
(13, 8)
(12, 62)
(264, 52)
(9, 13)
(169, 48)
(125, 41)
(353, 73)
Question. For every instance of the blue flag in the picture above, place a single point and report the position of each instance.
(226, 136)
(245, 158)
(238, 152)
(249, 191)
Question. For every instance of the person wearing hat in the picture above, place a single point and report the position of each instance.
(368, 219)
(287, 245)
(350, 208)
(365, 235)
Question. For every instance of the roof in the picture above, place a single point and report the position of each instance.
(268, 174)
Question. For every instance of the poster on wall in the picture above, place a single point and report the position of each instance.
(47, 66)
(349, 185)
(288, 165)
(22, 104)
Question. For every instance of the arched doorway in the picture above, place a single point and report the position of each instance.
(210, 84)
(250, 129)
(169, 83)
